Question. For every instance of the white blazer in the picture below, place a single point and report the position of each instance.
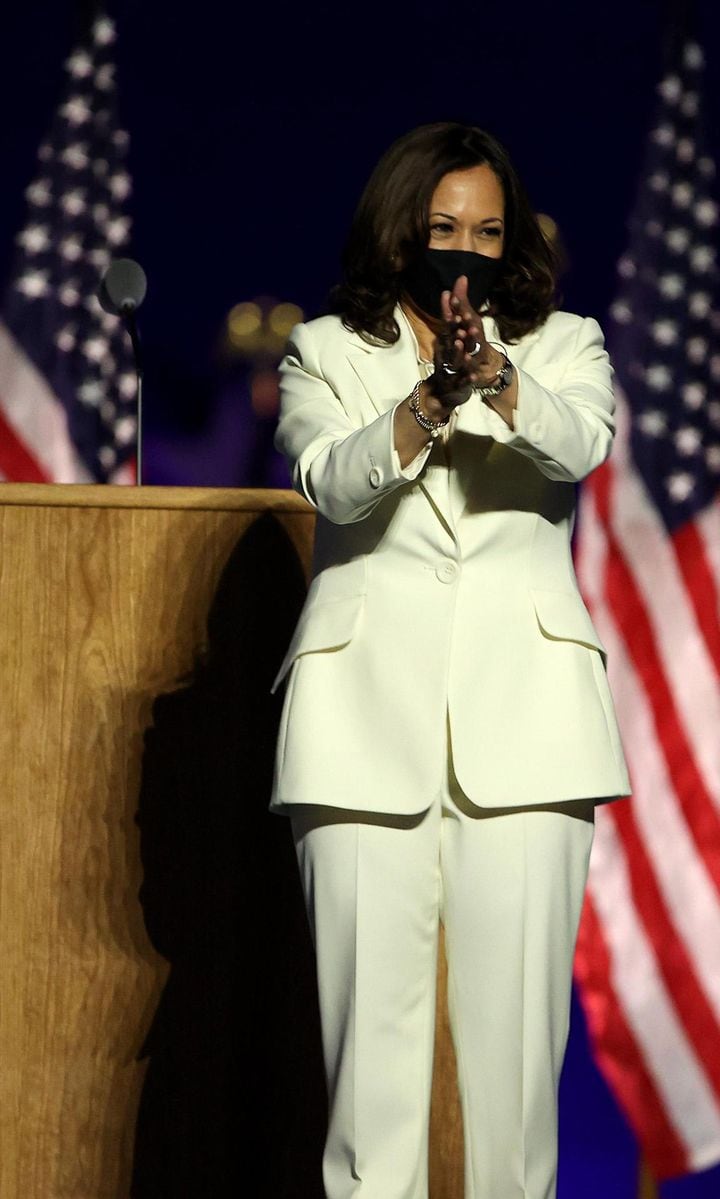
(444, 592)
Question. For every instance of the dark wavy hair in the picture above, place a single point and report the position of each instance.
(391, 226)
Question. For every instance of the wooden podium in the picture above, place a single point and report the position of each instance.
(105, 594)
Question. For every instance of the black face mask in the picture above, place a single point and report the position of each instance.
(435, 271)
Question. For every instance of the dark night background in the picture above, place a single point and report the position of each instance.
(253, 128)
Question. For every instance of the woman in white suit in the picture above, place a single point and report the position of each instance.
(447, 727)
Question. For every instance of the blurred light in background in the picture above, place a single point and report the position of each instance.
(259, 328)
(551, 231)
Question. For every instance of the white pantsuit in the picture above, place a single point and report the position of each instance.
(508, 886)
(444, 681)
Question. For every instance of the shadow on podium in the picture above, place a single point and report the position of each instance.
(234, 1094)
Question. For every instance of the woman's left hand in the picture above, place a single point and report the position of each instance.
(472, 356)
(466, 349)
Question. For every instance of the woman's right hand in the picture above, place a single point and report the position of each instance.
(455, 371)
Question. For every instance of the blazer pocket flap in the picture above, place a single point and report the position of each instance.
(340, 581)
(323, 625)
(562, 616)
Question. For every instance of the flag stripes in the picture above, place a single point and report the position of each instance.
(700, 586)
(648, 960)
(616, 1046)
(15, 461)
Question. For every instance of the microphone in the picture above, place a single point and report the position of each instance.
(121, 292)
(123, 287)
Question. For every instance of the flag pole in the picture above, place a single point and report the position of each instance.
(647, 1186)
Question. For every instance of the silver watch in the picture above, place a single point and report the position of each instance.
(504, 379)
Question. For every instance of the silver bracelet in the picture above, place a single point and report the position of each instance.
(433, 427)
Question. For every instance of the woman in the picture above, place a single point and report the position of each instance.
(447, 727)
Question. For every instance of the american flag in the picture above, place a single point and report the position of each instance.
(648, 958)
(67, 386)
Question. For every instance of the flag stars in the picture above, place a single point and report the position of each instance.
(664, 135)
(125, 430)
(34, 239)
(715, 367)
(706, 212)
(658, 377)
(713, 411)
(127, 385)
(689, 104)
(693, 56)
(677, 240)
(99, 257)
(92, 304)
(712, 457)
(688, 440)
(671, 286)
(69, 294)
(108, 364)
(680, 486)
(76, 220)
(73, 202)
(670, 88)
(76, 110)
(621, 312)
(685, 149)
(66, 339)
(109, 322)
(665, 332)
(626, 267)
(71, 248)
(91, 393)
(659, 182)
(702, 258)
(706, 166)
(76, 156)
(119, 185)
(105, 77)
(653, 228)
(80, 64)
(682, 195)
(653, 423)
(95, 349)
(103, 31)
(693, 395)
(696, 349)
(118, 230)
(33, 284)
(39, 193)
(699, 303)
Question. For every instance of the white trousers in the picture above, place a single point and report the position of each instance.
(508, 886)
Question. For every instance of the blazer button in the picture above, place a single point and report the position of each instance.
(375, 477)
(446, 572)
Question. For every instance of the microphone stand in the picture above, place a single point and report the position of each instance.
(127, 313)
